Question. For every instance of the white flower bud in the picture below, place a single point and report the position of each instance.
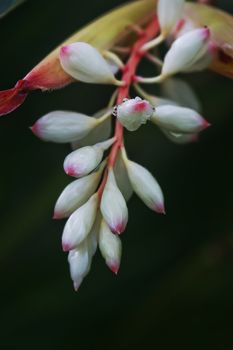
(169, 12)
(79, 262)
(186, 51)
(101, 132)
(181, 92)
(79, 224)
(113, 205)
(77, 193)
(83, 62)
(134, 112)
(63, 126)
(179, 119)
(145, 186)
(84, 160)
(110, 247)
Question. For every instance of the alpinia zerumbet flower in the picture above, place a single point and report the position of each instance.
(134, 112)
(95, 203)
(113, 205)
(145, 185)
(178, 119)
(84, 160)
(77, 193)
(64, 126)
(79, 261)
(110, 247)
(83, 62)
(169, 12)
(79, 224)
(186, 51)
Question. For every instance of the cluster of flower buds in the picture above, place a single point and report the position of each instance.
(95, 203)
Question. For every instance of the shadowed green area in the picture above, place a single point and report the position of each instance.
(175, 286)
(8, 5)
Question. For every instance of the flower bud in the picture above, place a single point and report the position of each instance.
(110, 247)
(186, 51)
(83, 62)
(145, 186)
(63, 126)
(84, 160)
(113, 205)
(169, 12)
(79, 262)
(79, 224)
(179, 119)
(134, 112)
(77, 193)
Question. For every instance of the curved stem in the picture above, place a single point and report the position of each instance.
(123, 92)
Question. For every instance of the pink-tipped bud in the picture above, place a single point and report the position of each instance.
(110, 247)
(179, 119)
(145, 186)
(79, 224)
(113, 206)
(134, 112)
(84, 160)
(83, 62)
(63, 126)
(186, 51)
(77, 193)
(169, 12)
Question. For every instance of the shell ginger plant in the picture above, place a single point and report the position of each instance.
(197, 37)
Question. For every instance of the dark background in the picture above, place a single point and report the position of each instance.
(175, 286)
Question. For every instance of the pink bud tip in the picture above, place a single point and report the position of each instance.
(160, 209)
(57, 216)
(114, 267)
(140, 106)
(119, 228)
(71, 171)
(205, 124)
(35, 129)
(64, 50)
(66, 247)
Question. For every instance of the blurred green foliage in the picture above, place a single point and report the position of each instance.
(175, 285)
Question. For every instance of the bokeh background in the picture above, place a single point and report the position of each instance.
(175, 286)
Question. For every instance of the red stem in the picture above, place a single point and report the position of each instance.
(128, 76)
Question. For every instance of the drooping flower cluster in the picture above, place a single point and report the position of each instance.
(95, 203)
